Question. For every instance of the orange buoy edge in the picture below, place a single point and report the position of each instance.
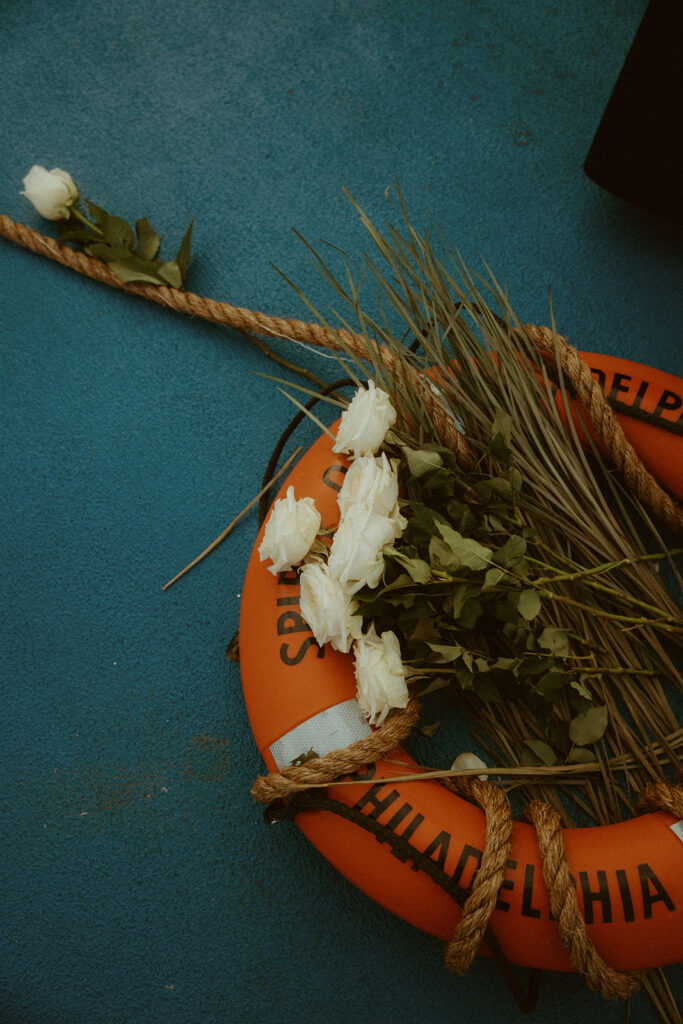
(628, 876)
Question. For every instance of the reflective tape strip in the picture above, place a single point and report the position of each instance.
(329, 730)
(677, 829)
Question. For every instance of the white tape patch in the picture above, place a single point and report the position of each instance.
(677, 829)
(330, 730)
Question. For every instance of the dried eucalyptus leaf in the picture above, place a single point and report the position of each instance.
(130, 273)
(543, 752)
(471, 611)
(309, 755)
(107, 253)
(184, 254)
(439, 683)
(418, 570)
(117, 232)
(529, 604)
(148, 240)
(512, 550)
(170, 274)
(421, 461)
(555, 640)
(81, 236)
(550, 684)
(96, 212)
(588, 726)
(579, 755)
(467, 551)
(448, 652)
(492, 578)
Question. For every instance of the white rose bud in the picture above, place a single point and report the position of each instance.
(328, 608)
(290, 531)
(52, 193)
(380, 678)
(356, 554)
(466, 761)
(365, 422)
(370, 483)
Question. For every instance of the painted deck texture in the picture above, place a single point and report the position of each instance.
(138, 882)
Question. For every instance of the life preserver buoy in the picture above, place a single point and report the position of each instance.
(629, 876)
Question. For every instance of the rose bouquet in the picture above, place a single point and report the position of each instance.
(369, 522)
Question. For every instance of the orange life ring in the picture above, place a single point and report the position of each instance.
(629, 876)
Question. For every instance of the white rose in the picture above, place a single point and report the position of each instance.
(356, 554)
(371, 483)
(328, 608)
(365, 422)
(380, 678)
(53, 193)
(291, 529)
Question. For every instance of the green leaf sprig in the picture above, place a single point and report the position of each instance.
(131, 254)
(476, 609)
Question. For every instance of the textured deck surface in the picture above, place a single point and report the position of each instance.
(138, 882)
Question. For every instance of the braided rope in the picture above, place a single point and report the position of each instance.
(481, 902)
(248, 322)
(608, 428)
(661, 796)
(564, 905)
(324, 770)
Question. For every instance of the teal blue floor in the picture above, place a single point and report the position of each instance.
(138, 882)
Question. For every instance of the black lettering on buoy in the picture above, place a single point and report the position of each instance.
(372, 798)
(618, 385)
(599, 895)
(528, 910)
(412, 825)
(327, 476)
(669, 402)
(625, 893)
(306, 644)
(396, 819)
(468, 853)
(642, 388)
(631, 405)
(439, 845)
(291, 622)
(599, 376)
(652, 890)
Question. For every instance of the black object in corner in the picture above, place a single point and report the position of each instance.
(637, 152)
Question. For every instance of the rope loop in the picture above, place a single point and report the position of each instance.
(564, 905)
(481, 902)
(324, 770)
